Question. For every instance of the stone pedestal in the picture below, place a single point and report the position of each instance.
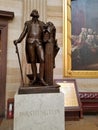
(39, 111)
(39, 89)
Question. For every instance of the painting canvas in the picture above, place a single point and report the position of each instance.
(84, 32)
(80, 38)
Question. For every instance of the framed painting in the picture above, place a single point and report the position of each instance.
(80, 31)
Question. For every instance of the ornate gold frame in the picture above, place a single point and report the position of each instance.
(67, 46)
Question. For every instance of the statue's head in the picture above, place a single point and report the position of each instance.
(34, 13)
(50, 26)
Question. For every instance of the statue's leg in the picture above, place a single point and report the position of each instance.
(41, 71)
(32, 60)
(34, 71)
(40, 53)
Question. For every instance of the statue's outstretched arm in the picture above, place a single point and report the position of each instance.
(22, 35)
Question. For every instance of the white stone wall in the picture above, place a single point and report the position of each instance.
(14, 29)
(55, 15)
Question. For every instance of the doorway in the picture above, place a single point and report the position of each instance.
(4, 17)
(3, 54)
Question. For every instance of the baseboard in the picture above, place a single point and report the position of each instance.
(89, 101)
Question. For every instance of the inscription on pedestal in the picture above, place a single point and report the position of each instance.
(39, 112)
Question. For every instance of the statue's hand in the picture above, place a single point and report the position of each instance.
(15, 42)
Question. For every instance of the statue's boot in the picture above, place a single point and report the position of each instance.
(41, 70)
(43, 82)
(34, 70)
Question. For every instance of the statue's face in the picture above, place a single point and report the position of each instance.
(50, 26)
(35, 14)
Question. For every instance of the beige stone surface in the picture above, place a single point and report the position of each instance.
(39, 112)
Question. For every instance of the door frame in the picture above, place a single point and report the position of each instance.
(4, 17)
(3, 28)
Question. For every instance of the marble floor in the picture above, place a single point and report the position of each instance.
(89, 122)
(6, 124)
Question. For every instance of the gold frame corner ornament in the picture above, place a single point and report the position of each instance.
(67, 47)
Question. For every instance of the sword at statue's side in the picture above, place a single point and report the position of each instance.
(19, 64)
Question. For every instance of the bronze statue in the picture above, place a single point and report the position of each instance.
(33, 30)
(51, 38)
(38, 35)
